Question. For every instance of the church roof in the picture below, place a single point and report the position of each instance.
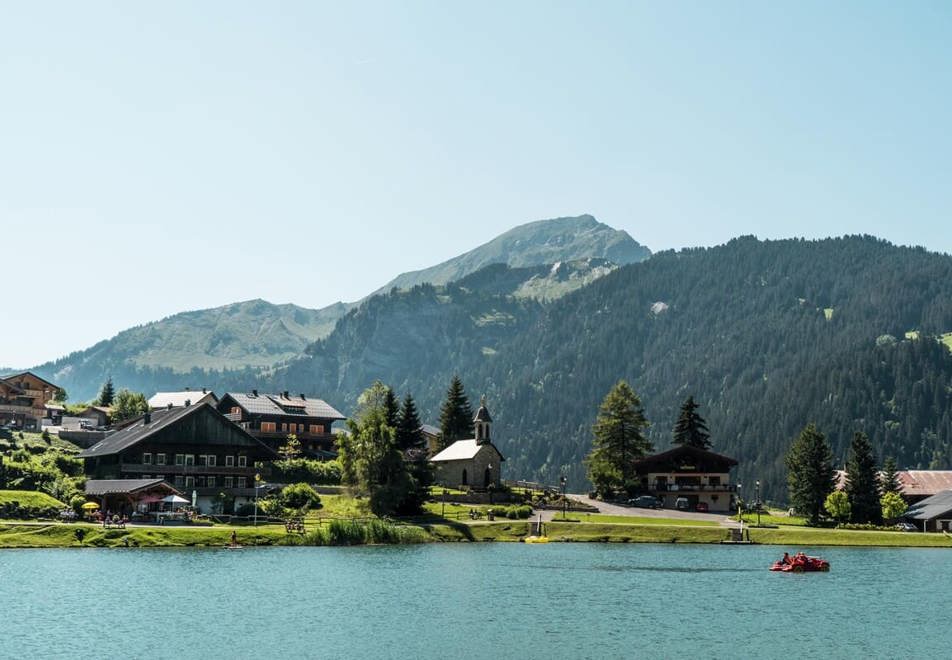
(463, 450)
(482, 415)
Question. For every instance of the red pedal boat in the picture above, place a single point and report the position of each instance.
(800, 563)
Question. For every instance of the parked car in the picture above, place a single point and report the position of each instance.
(645, 502)
(701, 507)
(906, 527)
(682, 504)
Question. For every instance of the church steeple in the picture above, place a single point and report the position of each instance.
(482, 422)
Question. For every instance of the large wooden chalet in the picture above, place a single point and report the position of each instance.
(271, 418)
(697, 475)
(194, 448)
(24, 398)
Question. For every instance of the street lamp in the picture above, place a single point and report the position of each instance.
(757, 483)
(257, 483)
(564, 501)
(740, 512)
(443, 507)
(490, 486)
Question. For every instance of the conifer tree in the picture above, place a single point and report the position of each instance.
(409, 434)
(456, 415)
(107, 394)
(691, 428)
(810, 473)
(862, 482)
(391, 408)
(618, 439)
(889, 479)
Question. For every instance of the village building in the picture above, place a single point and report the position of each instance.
(129, 498)
(23, 400)
(271, 418)
(914, 485)
(699, 476)
(473, 463)
(96, 416)
(194, 448)
(932, 514)
(187, 397)
(432, 437)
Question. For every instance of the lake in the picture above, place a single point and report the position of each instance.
(473, 600)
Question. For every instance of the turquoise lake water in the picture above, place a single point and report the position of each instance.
(473, 600)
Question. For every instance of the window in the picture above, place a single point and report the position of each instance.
(229, 461)
(235, 410)
(211, 482)
(241, 482)
(160, 459)
(160, 476)
(201, 482)
(228, 482)
(714, 480)
(242, 461)
(190, 459)
(147, 458)
(189, 482)
(212, 460)
(268, 427)
(201, 460)
(179, 480)
(284, 428)
(317, 428)
(180, 459)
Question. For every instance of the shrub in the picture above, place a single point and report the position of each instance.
(299, 496)
(303, 470)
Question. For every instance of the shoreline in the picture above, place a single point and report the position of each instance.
(16, 534)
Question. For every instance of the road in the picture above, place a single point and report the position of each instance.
(619, 510)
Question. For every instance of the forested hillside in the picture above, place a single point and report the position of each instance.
(767, 336)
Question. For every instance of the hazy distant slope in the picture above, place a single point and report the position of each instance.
(534, 244)
(253, 333)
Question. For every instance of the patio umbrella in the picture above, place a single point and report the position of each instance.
(175, 499)
(194, 499)
(89, 506)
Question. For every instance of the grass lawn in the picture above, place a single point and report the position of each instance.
(56, 535)
(774, 519)
(636, 520)
(947, 340)
(36, 440)
(31, 499)
(632, 533)
(341, 506)
(818, 536)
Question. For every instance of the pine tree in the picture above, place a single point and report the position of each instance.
(889, 479)
(691, 429)
(409, 435)
(618, 439)
(862, 484)
(391, 408)
(810, 473)
(107, 394)
(456, 415)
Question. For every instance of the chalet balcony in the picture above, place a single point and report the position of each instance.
(693, 488)
(190, 470)
(20, 410)
(283, 435)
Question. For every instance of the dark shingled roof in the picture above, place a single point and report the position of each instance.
(277, 404)
(139, 430)
(123, 486)
(686, 451)
(931, 507)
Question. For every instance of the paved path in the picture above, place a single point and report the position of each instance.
(621, 510)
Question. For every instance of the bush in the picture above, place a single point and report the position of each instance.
(303, 470)
(870, 527)
(515, 512)
(299, 496)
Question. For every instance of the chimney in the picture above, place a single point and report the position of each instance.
(204, 391)
(147, 419)
(254, 392)
(188, 389)
(170, 405)
(286, 394)
(303, 397)
(188, 402)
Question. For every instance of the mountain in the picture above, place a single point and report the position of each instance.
(767, 335)
(254, 333)
(192, 348)
(544, 242)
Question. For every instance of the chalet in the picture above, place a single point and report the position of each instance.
(194, 448)
(128, 497)
(23, 400)
(271, 418)
(431, 438)
(181, 399)
(698, 475)
(474, 462)
(96, 416)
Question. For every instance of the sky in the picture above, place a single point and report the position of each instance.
(161, 157)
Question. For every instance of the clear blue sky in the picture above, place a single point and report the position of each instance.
(157, 157)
